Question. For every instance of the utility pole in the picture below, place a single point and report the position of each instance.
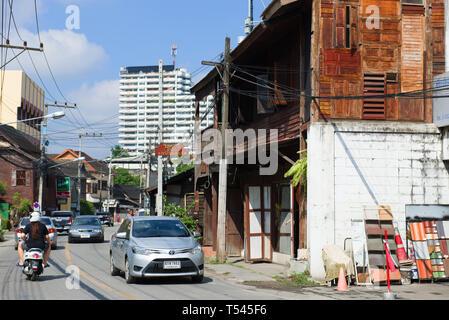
(24, 48)
(223, 171)
(249, 22)
(140, 181)
(159, 203)
(43, 145)
(148, 171)
(80, 136)
(109, 184)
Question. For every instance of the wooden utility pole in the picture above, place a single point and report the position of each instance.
(223, 173)
(43, 145)
(109, 184)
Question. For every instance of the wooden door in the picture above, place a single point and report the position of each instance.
(258, 213)
(286, 240)
(234, 223)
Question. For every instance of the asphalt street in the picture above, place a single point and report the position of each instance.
(96, 283)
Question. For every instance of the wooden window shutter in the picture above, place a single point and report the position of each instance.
(374, 106)
(14, 178)
(281, 80)
(28, 178)
(354, 27)
(340, 26)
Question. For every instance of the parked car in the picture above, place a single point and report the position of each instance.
(62, 220)
(86, 228)
(105, 218)
(53, 234)
(155, 247)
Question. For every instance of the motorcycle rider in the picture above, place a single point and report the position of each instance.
(38, 238)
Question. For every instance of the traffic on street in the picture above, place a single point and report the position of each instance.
(91, 261)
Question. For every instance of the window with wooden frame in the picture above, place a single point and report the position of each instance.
(21, 178)
(417, 2)
(264, 96)
(345, 26)
(281, 82)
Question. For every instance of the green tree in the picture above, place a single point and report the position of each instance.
(86, 207)
(20, 207)
(119, 152)
(124, 177)
(182, 213)
(298, 171)
(182, 167)
(2, 189)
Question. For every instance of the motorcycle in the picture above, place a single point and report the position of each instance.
(33, 265)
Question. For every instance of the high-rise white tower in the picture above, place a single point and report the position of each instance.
(139, 102)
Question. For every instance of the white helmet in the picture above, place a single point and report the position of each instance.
(35, 217)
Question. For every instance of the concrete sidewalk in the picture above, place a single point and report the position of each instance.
(236, 269)
(9, 238)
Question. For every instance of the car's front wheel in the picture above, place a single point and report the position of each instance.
(128, 277)
(114, 271)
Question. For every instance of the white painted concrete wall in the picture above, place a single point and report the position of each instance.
(356, 164)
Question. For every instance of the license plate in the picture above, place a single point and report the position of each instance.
(172, 264)
(58, 219)
(85, 235)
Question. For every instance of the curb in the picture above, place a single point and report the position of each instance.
(231, 276)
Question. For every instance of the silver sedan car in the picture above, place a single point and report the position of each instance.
(152, 246)
(86, 228)
(52, 233)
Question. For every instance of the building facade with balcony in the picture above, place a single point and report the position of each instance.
(21, 99)
(139, 108)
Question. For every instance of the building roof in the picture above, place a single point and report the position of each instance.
(128, 192)
(70, 170)
(177, 179)
(90, 163)
(21, 141)
(146, 69)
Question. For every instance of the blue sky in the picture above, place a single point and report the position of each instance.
(115, 33)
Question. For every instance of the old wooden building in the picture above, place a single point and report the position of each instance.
(349, 81)
(371, 140)
(263, 219)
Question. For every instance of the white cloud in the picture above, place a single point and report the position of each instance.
(99, 101)
(69, 53)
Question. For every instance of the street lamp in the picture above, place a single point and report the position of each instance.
(55, 115)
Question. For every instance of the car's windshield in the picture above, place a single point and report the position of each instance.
(61, 214)
(85, 222)
(44, 220)
(159, 228)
